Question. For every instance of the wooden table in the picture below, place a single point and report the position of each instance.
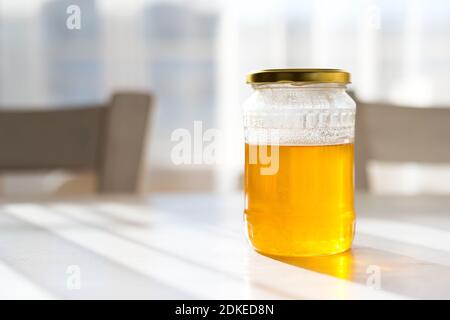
(171, 246)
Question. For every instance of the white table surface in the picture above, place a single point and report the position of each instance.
(171, 246)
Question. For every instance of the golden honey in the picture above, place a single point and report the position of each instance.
(303, 208)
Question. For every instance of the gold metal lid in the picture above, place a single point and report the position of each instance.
(298, 75)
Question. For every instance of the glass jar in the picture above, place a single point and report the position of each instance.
(299, 133)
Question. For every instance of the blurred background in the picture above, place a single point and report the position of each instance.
(192, 57)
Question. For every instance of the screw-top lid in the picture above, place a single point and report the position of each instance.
(299, 75)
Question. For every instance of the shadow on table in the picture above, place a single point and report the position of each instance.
(397, 273)
(337, 265)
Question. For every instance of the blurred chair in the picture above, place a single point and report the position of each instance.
(107, 139)
(399, 134)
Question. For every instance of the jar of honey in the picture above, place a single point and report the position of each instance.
(299, 132)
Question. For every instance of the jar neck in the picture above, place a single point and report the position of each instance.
(300, 85)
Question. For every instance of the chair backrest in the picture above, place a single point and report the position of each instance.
(108, 139)
(400, 134)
